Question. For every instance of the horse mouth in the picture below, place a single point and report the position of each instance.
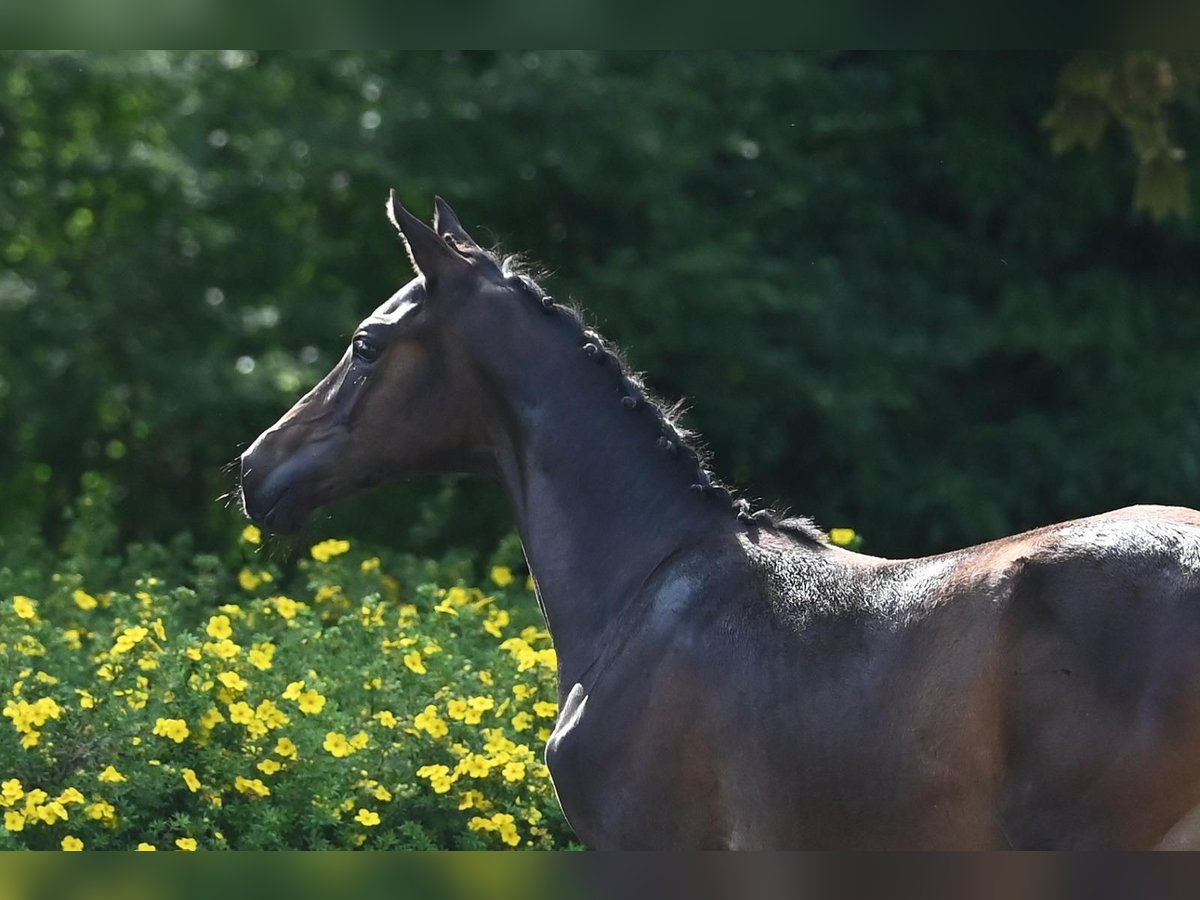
(285, 515)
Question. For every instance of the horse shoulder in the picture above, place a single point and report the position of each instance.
(634, 740)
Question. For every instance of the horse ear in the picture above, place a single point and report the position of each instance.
(431, 256)
(446, 223)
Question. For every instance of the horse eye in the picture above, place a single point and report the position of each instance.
(365, 349)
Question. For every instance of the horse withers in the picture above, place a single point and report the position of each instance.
(729, 678)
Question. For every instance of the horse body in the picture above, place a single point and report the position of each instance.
(1038, 691)
(729, 679)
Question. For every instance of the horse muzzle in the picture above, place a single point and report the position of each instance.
(281, 493)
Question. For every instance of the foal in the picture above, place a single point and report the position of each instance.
(730, 679)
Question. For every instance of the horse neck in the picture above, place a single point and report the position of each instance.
(598, 505)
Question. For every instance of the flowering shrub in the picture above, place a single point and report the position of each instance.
(344, 703)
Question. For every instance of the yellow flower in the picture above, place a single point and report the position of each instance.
(382, 794)
(471, 800)
(241, 713)
(271, 715)
(233, 681)
(337, 744)
(146, 848)
(84, 600)
(220, 628)
(286, 748)
(27, 716)
(102, 811)
(111, 775)
(248, 580)
(386, 718)
(186, 843)
(440, 777)
(293, 690)
(251, 786)
(71, 795)
(14, 821)
(327, 592)
(310, 702)
(11, 791)
(546, 709)
(496, 620)
(360, 741)
(522, 721)
(474, 766)
(366, 817)
(223, 649)
(413, 661)
(370, 565)
(269, 766)
(129, 638)
(842, 536)
(502, 576)
(261, 655)
(211, 719)
(327, 550)
(26, 607)
(513, 771)
(428, 721)
(175, 729)
(190, 779)
(251, 534)
(507, 829)
(525, 655)
(287, 607)
(71, 843)
(160, 631)
(50, 812)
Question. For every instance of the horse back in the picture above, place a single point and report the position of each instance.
(1102, 636)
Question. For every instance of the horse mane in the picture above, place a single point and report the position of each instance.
(680, 442)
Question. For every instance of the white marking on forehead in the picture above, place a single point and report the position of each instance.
(395, 308)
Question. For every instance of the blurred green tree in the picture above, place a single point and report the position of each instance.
(890, 305)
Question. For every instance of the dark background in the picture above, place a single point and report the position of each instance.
(890, 303)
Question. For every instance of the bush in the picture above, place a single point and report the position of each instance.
(340, 701)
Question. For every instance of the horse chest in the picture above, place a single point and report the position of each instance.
(632, 775)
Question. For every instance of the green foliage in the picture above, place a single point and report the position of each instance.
(888, 302)
(1135, 90)
(358, 702)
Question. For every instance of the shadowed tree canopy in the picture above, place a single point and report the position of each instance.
(890, 296)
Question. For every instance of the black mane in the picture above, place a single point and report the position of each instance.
(673, 437)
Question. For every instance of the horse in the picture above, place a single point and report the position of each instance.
(730, 678)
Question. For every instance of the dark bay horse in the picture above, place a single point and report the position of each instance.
(731, 679)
